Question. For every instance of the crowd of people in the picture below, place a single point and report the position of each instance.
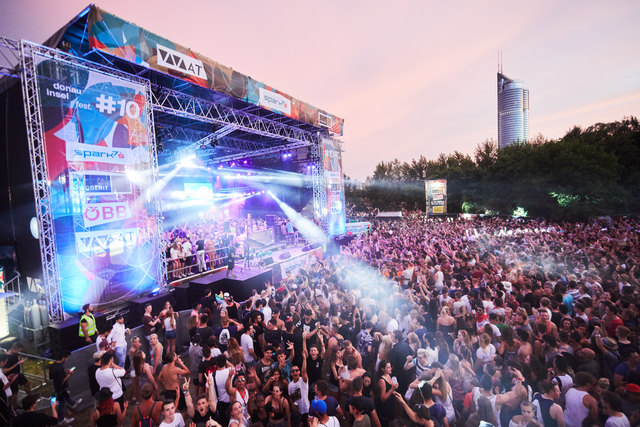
(466, 322)
(196, 248)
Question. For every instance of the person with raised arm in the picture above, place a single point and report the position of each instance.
(299, 393)
(236, 386)
(204, 414)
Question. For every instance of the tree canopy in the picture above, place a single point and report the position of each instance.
(587, 172)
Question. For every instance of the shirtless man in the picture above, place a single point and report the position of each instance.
(169, 377)
(156, 354)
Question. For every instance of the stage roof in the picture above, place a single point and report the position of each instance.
(95, 31)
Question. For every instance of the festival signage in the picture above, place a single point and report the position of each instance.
(291, 267)
(436, 195)
(115, 36)
(335, 209)
(96, 128)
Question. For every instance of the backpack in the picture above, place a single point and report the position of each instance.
(146, 421)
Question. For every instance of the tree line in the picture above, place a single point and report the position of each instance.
(588, 172)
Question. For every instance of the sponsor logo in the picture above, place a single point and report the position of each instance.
(177, 61)
(95, 153)
(275, 101)
(102, 213)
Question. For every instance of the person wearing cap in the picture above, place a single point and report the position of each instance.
(107, 413)
(631, 403)
(609, 348)
(324, 420)
(91, 372)
(88, 330)
(110, 375)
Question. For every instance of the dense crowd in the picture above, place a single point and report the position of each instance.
(206, 245)
(492, 321)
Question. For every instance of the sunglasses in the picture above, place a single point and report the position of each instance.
(295, 370)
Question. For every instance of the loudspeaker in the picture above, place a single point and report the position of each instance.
(285, 255)
(268, 260)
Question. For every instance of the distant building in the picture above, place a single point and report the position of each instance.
(513, 111)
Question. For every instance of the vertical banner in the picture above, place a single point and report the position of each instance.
(436, 195)
(336, 215)
(99, 168)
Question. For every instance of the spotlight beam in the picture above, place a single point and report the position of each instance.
(306, 227)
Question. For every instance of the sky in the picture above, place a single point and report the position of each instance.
(410, 78)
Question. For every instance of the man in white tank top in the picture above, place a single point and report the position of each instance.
(579, 403)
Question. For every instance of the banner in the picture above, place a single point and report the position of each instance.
(95, 135)
(436, 195)
(292, 266)
(336, 215)
(114, 35)
(357, 228)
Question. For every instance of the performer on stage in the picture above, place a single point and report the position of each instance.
(231, 260)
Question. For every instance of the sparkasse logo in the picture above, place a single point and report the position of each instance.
(95, 153)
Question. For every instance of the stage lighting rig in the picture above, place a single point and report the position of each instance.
(214, 142)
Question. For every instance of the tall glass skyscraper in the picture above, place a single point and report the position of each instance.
(513, 111)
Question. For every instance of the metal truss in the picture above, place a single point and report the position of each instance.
(320, 211)
(184, 105)
(224, 131)
(261, 152)
(41, 185)
(9, 57)
(161, 267)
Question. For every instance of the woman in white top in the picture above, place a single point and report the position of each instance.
(236, 419)
(486, 352)
(170, 330)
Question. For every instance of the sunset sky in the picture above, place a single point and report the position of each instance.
(410, 78)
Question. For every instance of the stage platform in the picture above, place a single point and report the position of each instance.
(184, 293)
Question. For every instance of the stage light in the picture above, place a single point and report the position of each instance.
(188, 162)
(133, 175)
(233, 164)
(244, 162)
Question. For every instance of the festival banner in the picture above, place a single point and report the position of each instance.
(292, 266)
(336, 215)
(114, 35)
(95, 134)
(436, 195)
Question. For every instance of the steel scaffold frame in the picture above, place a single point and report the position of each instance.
(162, 100)
(41, 186)
(179, 104)
(41, 190)
(319, 190)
